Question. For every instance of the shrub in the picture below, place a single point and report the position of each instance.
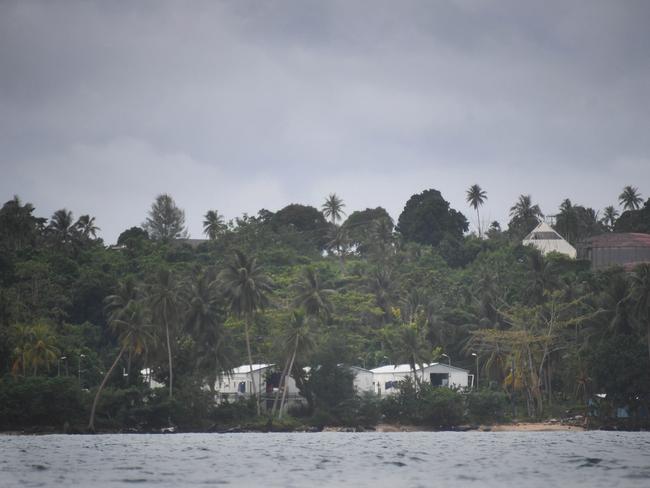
(40, 401)
(486, 406)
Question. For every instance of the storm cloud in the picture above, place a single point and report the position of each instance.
(246, 105)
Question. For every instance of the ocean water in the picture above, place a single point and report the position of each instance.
(419, 459)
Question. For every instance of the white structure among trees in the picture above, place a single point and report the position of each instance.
(547, 240)
(387, 378)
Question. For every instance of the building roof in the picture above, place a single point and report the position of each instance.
(246, 368)
(406, 368)
(618, 239)
(547, 239)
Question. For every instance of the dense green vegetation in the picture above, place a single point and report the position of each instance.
(306, 287)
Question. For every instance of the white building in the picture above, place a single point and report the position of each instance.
(239, 383)
(387, 378)
(547, 240)
(363, 379)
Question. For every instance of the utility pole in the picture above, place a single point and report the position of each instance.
(512, 397)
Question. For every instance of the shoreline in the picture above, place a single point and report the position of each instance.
(379, 428)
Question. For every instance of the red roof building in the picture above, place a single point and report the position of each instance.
(616, 249)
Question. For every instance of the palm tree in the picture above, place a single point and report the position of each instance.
(86, 227)
(630, 198)
(524, 208)
(42, 351)
(383, 286)
(411, 348)
(476, 197)
(339, 242)
(333, 208)
(610, 214)
(165, 300)
(204, 321)
(567, 220)
(213, 224)
(61, 226)
(246, 288)
(23, 338)
(641, 296)
(133, 334)
(311, 296)
(524, 216)
(299, 339)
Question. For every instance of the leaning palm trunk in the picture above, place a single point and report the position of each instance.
(282, 381)
(250, 364)
(91, 423)
(284, 391)
(169, 356)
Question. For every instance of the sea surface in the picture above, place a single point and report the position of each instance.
(417, 459)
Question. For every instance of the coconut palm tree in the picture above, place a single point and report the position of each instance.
(524, 216)
(333, 208)
(133, 333)
(411, 348)
(524, 208)
(339, 241)
(204, 321)
(476, 197)
(61, 226)
(246, 288)
(213, 224)
(299, 340)
(42, 351)
(641, 296)
(610, 214)
(383, 285)
(311, 296)
(165, 302)
(630, 198)
(86, 227)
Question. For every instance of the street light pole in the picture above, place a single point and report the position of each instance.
(79, 370)
(476, 356)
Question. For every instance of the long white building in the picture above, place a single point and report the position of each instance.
(387, 378)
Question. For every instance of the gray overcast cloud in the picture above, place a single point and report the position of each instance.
(242, 105)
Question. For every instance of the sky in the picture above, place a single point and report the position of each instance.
(243, 105)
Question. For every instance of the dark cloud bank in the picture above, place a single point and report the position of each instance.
(243, 105)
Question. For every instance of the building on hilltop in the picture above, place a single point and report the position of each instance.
(547, 239)
(624, 249)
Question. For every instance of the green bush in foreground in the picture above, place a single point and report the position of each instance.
(486, 406)
(40, 402)
(424, 405)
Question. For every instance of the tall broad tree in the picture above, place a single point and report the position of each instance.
(476, 197)
(18, 227)
(427, 218)
(133, 334)
(165, 301)
(213, 224)
(165, 221)
(333, 208)
(630, 198)
(246, 288)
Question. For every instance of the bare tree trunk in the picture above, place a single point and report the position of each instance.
(91, 423)
(284, 392)
(250, 363)
(169, 355)
(282, 381)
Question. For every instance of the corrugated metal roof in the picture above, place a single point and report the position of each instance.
(618, 239)
(246, 368)
(406, 368)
